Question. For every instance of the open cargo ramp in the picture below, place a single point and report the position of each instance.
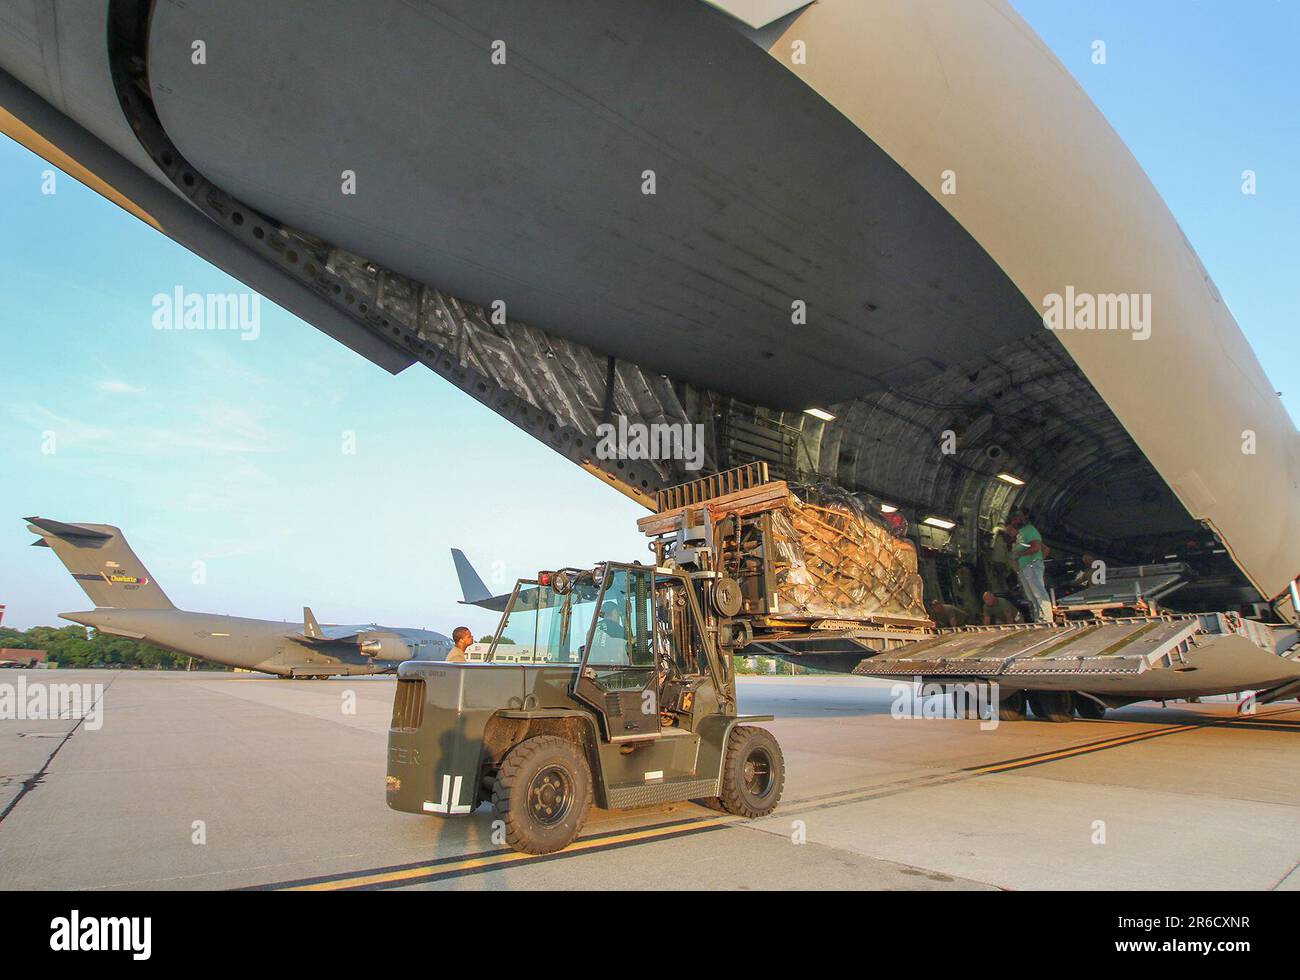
(1127, 659)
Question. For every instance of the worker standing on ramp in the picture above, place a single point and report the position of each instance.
(1030, 554)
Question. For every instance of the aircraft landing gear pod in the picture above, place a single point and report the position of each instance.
(612, 689)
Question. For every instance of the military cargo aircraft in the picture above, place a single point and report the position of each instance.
(129, 602)
(829, 236)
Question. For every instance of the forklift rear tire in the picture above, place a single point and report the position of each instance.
(1055, 706)
(1088, 708)
(543, 793)
(753, 772)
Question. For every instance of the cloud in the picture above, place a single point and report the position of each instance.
(215, 426)
(68, 431)
(115, 387)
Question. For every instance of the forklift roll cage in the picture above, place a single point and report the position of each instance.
(619, 681)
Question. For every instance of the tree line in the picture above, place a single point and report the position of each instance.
(75, 646)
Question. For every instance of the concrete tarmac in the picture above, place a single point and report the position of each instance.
(213, 781)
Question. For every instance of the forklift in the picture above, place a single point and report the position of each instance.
(616, 687)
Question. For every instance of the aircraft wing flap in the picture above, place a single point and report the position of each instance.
(308, 640)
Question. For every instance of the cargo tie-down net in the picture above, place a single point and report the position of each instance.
(838, 561)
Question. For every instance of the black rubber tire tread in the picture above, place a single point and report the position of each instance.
(510, 790)
(1086, 707)
(1012, 707)
(1054, 706)
(735, 799)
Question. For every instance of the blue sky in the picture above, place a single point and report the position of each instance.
(205, 447)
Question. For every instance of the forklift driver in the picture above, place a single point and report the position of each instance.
(609, 643)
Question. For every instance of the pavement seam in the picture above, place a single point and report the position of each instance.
(928, 872)
(30, 782)
(1278, 884)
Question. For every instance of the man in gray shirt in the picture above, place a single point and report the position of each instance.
(461, 638)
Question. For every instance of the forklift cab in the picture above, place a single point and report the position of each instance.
(636, 636)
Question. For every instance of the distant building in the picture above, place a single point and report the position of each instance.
(22, 658)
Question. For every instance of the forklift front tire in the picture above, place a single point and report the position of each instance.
(543, 793)
(753, 772)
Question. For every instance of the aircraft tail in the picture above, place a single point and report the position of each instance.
(310, 628)
(102, 562)
(470, 584)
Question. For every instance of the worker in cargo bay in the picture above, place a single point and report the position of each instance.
(999, 611)
(1030, 553)
(947, 616)
(1092, 573)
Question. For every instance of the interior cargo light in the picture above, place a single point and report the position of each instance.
(887, 508)
(819, 413)
(942, 522)
(1015, 481)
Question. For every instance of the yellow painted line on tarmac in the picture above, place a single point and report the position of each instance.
(1115, 742)
(1066, 753)
(507, 858)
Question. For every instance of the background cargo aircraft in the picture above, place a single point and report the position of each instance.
(689, 181)
(128, 602)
